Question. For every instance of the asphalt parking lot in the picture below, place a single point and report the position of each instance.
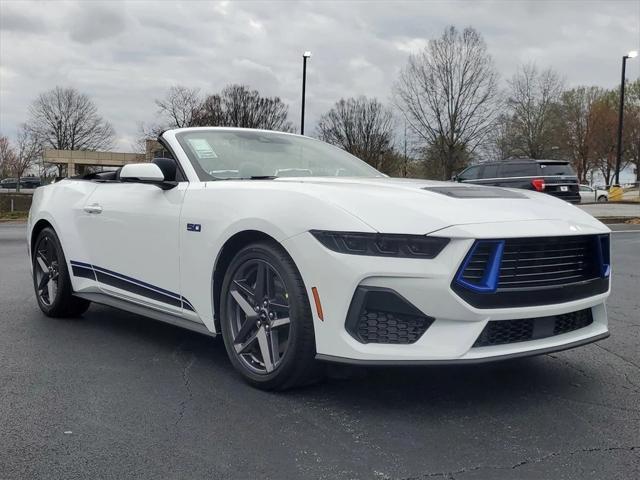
(114, 395)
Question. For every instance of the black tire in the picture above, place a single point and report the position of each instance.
(297, 365)
(602, 198)
(61, 302)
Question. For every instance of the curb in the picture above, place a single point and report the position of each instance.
(615, 219)
(11, 221)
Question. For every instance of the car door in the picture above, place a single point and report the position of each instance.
(586, 194)
(133, 242)
(470, 175)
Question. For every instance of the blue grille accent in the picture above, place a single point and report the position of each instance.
(480, 270)
(603, 252)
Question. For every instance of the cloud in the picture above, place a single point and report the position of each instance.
(19, 22)
(91, 22)
(125, 54)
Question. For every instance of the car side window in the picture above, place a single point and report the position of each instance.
(584, 188)
(519, 170)
(490, 171)
(470, 173)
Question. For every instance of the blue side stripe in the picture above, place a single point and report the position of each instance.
(134, 281)
(81, 264)
(131, 279)
(137, 282)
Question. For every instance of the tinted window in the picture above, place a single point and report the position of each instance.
(519, 170)
(470, 173)
(490, 171)
(556, 169)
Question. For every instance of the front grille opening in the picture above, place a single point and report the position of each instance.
(381, 315)
(518, 272)
(501, 332)
(543, 262)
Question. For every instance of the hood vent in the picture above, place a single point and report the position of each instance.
(458, 191)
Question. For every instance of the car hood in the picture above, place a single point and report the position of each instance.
(392, 205)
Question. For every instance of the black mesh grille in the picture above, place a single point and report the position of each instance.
(551, 261)
(500, 332)
(385, 327)
(572, 321)
(381, 315)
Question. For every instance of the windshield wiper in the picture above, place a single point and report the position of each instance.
(252, 177)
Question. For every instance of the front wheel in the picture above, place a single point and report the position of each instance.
(266, 320)
(51, 278)
(602, 198)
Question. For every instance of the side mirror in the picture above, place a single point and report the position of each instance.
(145, 173)
(455, 178)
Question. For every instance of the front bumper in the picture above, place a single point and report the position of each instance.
(425, 284)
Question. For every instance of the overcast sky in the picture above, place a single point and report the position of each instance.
(124, 54)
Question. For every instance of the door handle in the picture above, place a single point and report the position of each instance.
(94, 208)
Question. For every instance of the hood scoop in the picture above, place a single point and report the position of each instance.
(456, 191)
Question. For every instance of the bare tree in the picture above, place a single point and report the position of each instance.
(500, 145)
(7, 155)
(533, 102)
(602, 137)
(180, 105)
(577, 125)
(361, 126)
(238, 106)
(26, 153)
(448, 95)
(212, 112)
(66, 119)
(632, 126)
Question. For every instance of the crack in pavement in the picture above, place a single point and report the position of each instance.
(635, 388)
(187, 384)
(626, 360)
(528, 461)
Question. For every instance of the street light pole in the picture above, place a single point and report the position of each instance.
(305, 55)
(621, 115)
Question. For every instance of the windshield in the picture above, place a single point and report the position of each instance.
(550, 169)
(229, 154)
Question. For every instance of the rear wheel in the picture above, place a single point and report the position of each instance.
(266, 319)
(51, 278)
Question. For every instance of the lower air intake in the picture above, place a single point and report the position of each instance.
(376, 326)
(501, 332)
(380, 315)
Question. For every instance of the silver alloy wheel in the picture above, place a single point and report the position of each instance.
(46, 270)
(259, 316)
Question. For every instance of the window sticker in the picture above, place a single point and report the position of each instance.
(202, 148)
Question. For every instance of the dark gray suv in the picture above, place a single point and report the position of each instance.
(555, 177)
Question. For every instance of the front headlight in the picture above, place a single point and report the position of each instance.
(381, 244)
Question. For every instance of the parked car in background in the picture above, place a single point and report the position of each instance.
(591, 194)
(30, 182)
(25, 182)
(9, 183)
(554, 177)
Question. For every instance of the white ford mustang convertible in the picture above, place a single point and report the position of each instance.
(299, 253)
